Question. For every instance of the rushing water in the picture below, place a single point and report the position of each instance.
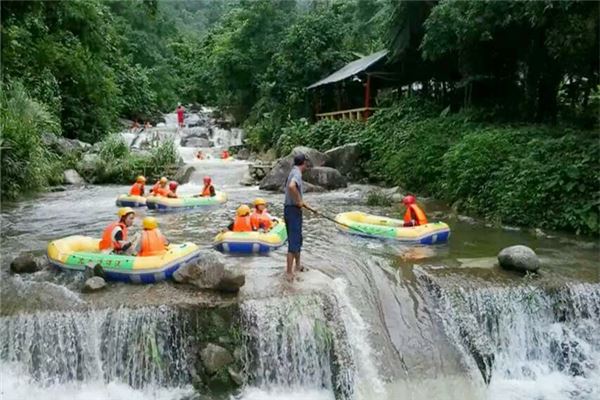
(370, 320)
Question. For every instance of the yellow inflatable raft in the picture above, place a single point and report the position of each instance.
(252, 242)
(76, 252)
(368, 225)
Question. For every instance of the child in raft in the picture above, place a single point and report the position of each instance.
(260, 218)
(241, 222)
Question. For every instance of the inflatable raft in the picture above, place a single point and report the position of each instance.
(160, 203)
(76, 252)
(251, 242)
(367, 225)
(127, 200)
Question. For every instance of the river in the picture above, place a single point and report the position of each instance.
(440, 322)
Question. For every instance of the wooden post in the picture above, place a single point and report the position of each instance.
(367, 97)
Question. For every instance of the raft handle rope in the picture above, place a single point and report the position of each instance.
(317, 213)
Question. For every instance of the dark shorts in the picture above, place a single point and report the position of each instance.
(292, 216)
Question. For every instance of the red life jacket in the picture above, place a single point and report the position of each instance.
(107, 241)
(242, 224)
(137, 189)
(261, 220)
(414, 212)
(153, 243)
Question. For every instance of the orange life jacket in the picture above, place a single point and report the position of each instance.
(206, 191)
(261, 220)
(153, 243)
(137, 189)
(107, 241)
(162, 191)
(155, 187)
(242, 224)
(417, 214)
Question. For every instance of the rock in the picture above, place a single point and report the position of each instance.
(326, 177)
(215, 357)
(57, 189)
(88, 165)
(195, 142)
(72, 177)
(520, 258)
(269, 156)
(94, 284)
(184, 174)
(243, 154)
(277, 176)
(247, 180)
(314, 157)
(237, 377)
(231, 281)
(209, 272)
(344, 158)
(310, 188)
(65, 145)
(25, 263)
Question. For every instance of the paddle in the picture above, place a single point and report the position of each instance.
(317, 213)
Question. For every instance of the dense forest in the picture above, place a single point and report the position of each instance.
(503, 87)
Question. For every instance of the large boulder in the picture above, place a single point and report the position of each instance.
(215, 357)
(210, 272)
(520, 258)
(94, 284)
(326, 177)
(242, 154)
(24, 264)
(276, 178)
(184, 174)
(71, 177)
(344, 158)
(314, 157)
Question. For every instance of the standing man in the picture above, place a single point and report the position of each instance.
(292, 214)
(180, 110)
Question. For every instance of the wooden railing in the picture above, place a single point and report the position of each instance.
(362, 113)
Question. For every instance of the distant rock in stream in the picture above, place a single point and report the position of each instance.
(519, 258)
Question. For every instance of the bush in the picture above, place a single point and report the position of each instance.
(27, 165)
(116, 164)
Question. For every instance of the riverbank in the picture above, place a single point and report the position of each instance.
(522, 175)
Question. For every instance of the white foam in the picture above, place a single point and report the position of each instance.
(15, 384)
(285, 393)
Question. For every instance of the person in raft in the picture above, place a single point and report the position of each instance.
(292, 214)
(152, 242)
(180, 115)
(225, 154)
(414, 215)
(242, 222)
(161, 189)
(114, 237)
(173, 185)
(137, 189)
(260, 218)
(208, 190)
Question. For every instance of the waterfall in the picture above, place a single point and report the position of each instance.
(138, 347)
(528, 342)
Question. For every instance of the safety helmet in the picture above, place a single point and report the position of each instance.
(173, 185)
(259, 202)
(140, 179)
(150, 223)
(163, 180)
(207, 179)
(125, 211)
(408, 200)
(243, 210)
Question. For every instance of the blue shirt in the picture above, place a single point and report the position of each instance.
(296, 175)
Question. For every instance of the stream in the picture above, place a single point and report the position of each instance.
(403, 322)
